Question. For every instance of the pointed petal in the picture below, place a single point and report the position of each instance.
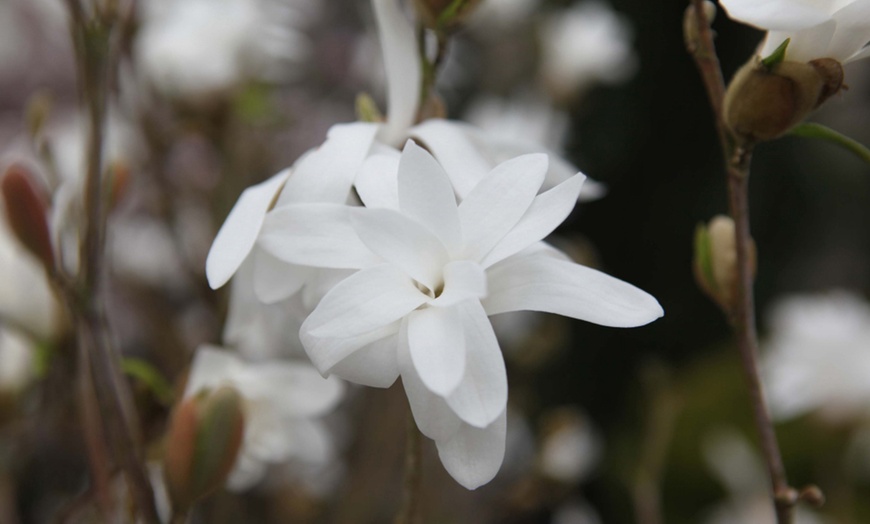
(403, 242)
(547, 211)
(540, 282)
(239, 232)
(437, 345)
(402, 64)
(276, 280)
(294, 389)
(327, 173)
(377, 182)
(426, 195)
(326, 352)
(375, 365)
(782, 15)
(482, 395)
(498, 202)
(318, 235)
(463, 280)
(450, 145)
(472, 455)
(432, 415)
(365, 301)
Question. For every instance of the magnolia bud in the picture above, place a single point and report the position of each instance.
(715, 263)
(444, 14)
(202, 444)
(764, 102)
(26, 212)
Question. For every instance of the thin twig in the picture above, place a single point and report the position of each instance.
(737, 160)
(410, 510)
(93, 42)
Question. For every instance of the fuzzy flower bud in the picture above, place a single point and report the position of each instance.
(715, 262)
(764, 102)
(444, 14)
(26, 212)
(202, 444)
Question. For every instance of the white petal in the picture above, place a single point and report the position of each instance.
(449, 143)
(211, 367)
(309, 441)
(239, 232)
(499, 149)
(437, 345)
(547, 211)
(319, 235)
(426, 195)
(327, 352)
(805, 45)
(482, 395)
(276, 280)
(540, 282)
(403, 242)
(327, 173)
(776, 14)
(402, 64)
(432, 415)
(853, 30)
(375, 365)
(367, 300)
(293, 389)
(496, 204)
(377, 184)
(463, 279)
(472, 455)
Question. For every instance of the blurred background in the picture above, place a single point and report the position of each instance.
(605, 425)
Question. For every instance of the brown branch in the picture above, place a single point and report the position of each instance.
(410, 510)
(737, 156)
(93, 39)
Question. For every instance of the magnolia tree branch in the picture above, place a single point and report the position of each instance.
(737, 156)
(410, 510)
(94, 43)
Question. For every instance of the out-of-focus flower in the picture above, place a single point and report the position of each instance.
(737, 467)
(818, 355)
(502, 15)
(431, 271)
(838, 29)
(570, 448)
(283, 402)
(583, 45)
(16, 360)
(201, 48)
(575, 512)
(510, 125)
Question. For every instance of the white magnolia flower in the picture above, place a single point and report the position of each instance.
(430, 272)
(191, 48)
(585, 44)
(838, 29)
(818, 355)
(283, 401)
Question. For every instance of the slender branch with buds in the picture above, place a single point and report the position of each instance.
(738, 155)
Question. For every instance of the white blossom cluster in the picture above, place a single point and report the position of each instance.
(400, 238)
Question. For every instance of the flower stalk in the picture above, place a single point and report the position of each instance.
(410, 510)
(738, 154)
(95, 42)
